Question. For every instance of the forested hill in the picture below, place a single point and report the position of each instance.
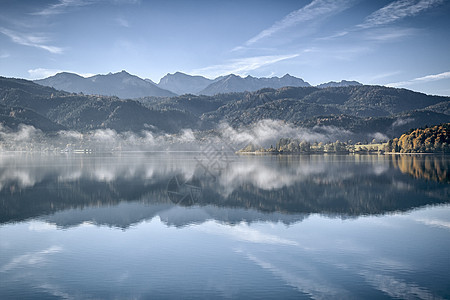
(284, 103)
(85, 112)
(298, 104)
(356, 108)
(359, 109)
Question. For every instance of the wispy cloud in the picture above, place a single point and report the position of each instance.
(316, 9)
(126, 1)
(433, 77)
(333, 36)
(122, 22)
(63, 6)
(44, 73)
(32, 40)
(378, 77)
(388, 14)
(398, 10)
(60, 7)
(242, 66)
(389, 34)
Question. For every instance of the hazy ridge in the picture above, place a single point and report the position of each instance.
(125, 85)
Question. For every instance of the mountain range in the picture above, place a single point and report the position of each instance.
(121, 84)
(127, 86)
(233, 83)
(361, 110)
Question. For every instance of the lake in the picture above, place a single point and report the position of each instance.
(215, 225)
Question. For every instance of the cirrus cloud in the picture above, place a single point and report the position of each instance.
(31, 39)
(427, 78)
(316, 9)
(242, 66)
(40, 73)
(398, 10)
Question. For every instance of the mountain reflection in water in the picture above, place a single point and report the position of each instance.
(123, 189)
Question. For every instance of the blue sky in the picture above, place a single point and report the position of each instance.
(403, 43)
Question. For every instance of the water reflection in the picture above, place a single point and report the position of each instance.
(272, 227)
(122, 189)
(429, 167)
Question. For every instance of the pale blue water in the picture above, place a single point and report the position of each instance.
(154, 225)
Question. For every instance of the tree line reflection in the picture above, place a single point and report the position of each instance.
(428, 167)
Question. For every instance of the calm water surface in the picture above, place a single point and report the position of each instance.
(171, 226)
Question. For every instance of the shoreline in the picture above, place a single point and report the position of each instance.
(339, 153)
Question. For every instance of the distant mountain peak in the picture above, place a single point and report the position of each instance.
(66, 74)
(232, 76)
(181, 83)
(341, 83)
(121, 73)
